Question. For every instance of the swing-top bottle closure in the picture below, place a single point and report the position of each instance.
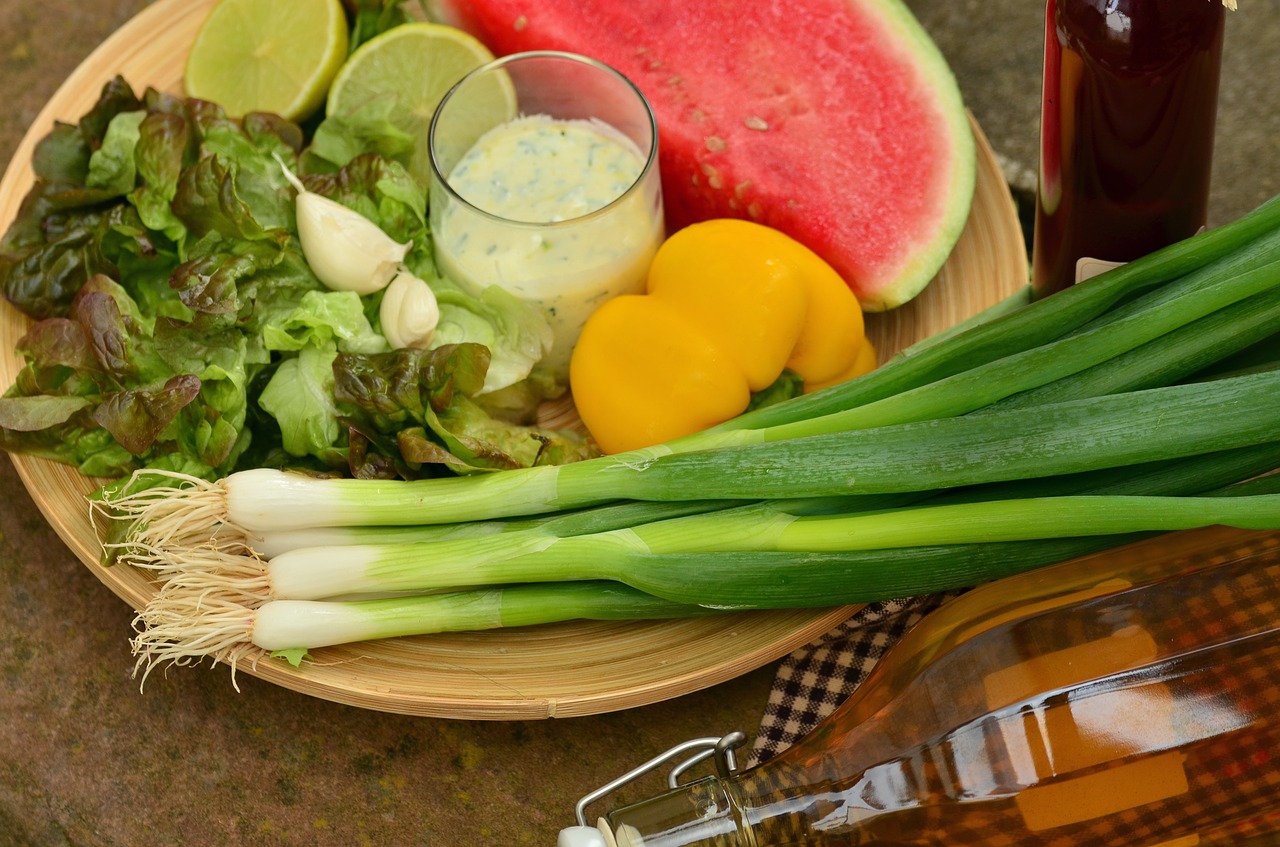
(682, 758)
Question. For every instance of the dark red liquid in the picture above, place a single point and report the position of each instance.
(1130, 98)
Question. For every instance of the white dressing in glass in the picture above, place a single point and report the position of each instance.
(556, 217)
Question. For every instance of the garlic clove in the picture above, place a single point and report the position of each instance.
(346, 250)
(409, 313)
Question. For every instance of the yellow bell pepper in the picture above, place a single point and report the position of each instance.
(729, 305)
(744, 295)
(647, 375)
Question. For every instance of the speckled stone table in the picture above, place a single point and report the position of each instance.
(86, 760)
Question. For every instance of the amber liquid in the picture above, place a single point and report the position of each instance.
(1123, 700)
(1010, 779)
(1130, 99)
(1148, 718)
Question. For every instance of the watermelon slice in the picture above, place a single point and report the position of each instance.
(835, 121)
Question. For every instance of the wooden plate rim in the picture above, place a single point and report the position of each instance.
(993, 256)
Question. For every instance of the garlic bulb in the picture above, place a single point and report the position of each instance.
(409, 313)
(346, 250)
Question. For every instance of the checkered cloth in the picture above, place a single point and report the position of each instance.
(818, 677)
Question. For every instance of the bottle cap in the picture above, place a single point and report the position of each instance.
(581, 836)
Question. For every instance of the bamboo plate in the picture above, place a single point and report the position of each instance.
(551, 671)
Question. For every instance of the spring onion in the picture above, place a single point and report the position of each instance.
(241, 574)
(782, 580)
(1122, 429)
(1191, 475)
(187, 621)
(314, 573)
(177, 629)
(1181, 353)
(600, 519)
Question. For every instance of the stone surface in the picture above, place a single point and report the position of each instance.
(88, 761)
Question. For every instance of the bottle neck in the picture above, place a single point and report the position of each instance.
(790, 800)
(705, 813)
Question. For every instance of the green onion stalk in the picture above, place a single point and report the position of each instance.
(750, 558)
(170, 631)
(317, 573)
(1071, 436)
(1175, 355)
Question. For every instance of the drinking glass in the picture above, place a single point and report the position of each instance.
(544, 181)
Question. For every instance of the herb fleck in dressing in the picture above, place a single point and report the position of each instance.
(554, 234)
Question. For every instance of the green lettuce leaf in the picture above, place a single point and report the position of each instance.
(42, 411)
(422, 399)
(251, 147)
(111, 166)
(136, 417)
(339, 139)
(373, 17)
(517, 334)
(332, 319)
(300, 397)
(109, 389)
(164, 149)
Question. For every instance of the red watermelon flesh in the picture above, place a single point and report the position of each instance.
(835, 121)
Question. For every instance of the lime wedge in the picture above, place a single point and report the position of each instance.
(268, 56)
(413, 66)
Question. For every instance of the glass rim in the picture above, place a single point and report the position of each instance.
(439, 178)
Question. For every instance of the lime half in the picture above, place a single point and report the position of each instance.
(409, 69)
(268, 55)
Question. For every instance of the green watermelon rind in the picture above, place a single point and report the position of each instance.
(928, 258)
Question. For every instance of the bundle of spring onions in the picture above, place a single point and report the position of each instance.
(1140, 401)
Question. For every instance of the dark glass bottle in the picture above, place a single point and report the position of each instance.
(1125, 699)
(1127, 127)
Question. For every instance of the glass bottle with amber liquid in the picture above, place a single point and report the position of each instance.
(1127, 130)
(1128, 699)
